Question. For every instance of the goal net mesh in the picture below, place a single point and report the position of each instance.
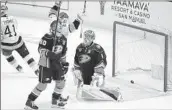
(141, 55)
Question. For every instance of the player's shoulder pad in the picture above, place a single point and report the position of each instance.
(97, 48)
(80, 46)
(48, 36)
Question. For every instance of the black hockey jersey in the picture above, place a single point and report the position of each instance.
(46, 43)
(88, 58)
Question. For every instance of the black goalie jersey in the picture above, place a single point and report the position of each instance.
(87, 58)
(46, 43)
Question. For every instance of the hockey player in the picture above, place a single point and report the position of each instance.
(52, 63)
(12, 41)
(90, 61)
(89, 64)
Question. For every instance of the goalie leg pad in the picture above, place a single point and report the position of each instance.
(90, 93)
(113, 93)
(77, 76)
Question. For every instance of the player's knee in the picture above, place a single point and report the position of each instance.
(23, 51)
(41, 86)
(60, 84)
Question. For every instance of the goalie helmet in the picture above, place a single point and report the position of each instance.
(4, 10)
(89, 37)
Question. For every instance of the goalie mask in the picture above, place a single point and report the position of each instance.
(89, 37)
(4, 10)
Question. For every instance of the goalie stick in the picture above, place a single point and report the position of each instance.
(82, 20)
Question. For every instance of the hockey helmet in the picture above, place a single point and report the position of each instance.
(89, 36)
(53, 27)
(63, 15)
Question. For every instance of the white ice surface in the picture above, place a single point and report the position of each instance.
(15, 87)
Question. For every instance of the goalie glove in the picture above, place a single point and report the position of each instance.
(77, 75)
(98, 80)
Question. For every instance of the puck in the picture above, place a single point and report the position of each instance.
(132, 82)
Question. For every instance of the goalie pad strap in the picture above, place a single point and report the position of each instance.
(109, 93)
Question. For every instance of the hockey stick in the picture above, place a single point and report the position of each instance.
(55, 39)
(82, 20)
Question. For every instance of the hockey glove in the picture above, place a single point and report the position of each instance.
(53, 56)
(98, 80)
(77, 75)
(65, 66)
(54, 10)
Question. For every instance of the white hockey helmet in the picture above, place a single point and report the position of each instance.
(89, 36)
(4, 10)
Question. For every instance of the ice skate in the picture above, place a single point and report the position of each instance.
(19, 69)
(30, 105)
(59, 103)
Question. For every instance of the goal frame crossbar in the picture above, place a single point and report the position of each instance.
(143, 29)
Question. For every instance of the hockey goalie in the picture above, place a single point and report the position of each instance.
(89, 64)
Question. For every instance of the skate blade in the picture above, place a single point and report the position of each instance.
(28, 108)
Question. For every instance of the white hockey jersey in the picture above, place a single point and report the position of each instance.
(10, 39)
(65, 27)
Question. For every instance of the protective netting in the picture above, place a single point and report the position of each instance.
(141, 55)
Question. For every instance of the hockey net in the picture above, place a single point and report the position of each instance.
(142, 55)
